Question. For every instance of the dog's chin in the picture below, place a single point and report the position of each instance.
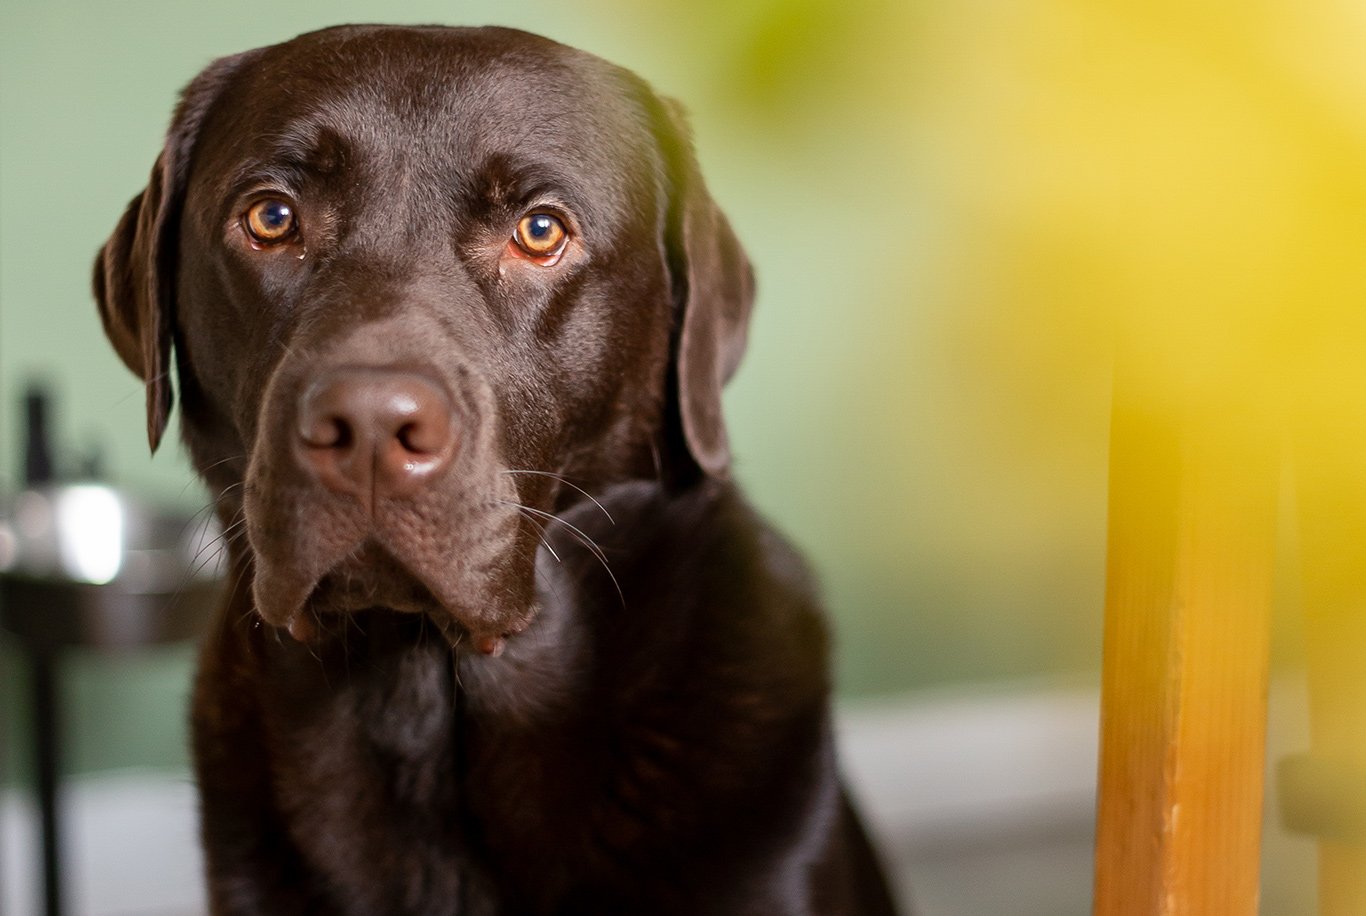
(370, 580)
(343, 592)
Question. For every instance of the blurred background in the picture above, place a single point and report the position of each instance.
(953, 206)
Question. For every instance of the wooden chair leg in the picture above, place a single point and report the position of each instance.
(1191, 541)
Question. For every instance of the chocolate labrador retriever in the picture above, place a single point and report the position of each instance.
(450, 311)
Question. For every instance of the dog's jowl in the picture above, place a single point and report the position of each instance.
(448, 313)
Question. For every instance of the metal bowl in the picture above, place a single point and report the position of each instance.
(83, 564)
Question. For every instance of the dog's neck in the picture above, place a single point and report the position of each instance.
(581, 595)
(536, 674)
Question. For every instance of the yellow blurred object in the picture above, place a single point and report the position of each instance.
(1181, 186)
(1215, 189)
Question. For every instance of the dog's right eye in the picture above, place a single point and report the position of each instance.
(541, 236)
(270, 221)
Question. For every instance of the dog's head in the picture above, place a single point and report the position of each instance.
(414, 280)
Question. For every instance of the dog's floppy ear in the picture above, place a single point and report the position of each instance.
(713, 288)
(135, 271)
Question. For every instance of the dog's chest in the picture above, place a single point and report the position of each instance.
(367, 774)
(402, 801)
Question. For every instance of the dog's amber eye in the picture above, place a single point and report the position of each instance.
(540, 234)
(270, 221)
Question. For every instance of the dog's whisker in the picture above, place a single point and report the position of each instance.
(583, 538)
(228, 489)
(212, 549)
(224, 490)
(206, 555)
(658, 461)
(203, 513)
(139, 391)
(204, 517)
(308, 645)
(220, 462)
(541, 528)
(568, 483)
(551, 517)
(455, 671)
(547, 546)
(237, 526)
(194, 566)
(252, 612)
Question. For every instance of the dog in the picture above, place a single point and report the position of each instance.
(450, 312)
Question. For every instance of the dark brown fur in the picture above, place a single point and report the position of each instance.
(447, 701)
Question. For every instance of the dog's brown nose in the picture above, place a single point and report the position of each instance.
(374, 432)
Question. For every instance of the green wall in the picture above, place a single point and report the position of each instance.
(935, 450)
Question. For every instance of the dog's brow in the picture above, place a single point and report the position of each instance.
(258, 173)
(288, 160)
(303, 150)
(505, 182)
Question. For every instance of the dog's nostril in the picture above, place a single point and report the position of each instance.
(430, 434)
(328, 432)
(410, 437)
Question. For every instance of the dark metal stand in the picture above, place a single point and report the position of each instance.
(50, 616)
(43, 664)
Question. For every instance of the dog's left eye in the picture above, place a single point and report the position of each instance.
(540, 235)
(270, 221)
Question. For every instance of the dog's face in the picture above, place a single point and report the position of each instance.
(414, 279)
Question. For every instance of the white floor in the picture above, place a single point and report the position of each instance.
(982, 802)
(131, 847)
